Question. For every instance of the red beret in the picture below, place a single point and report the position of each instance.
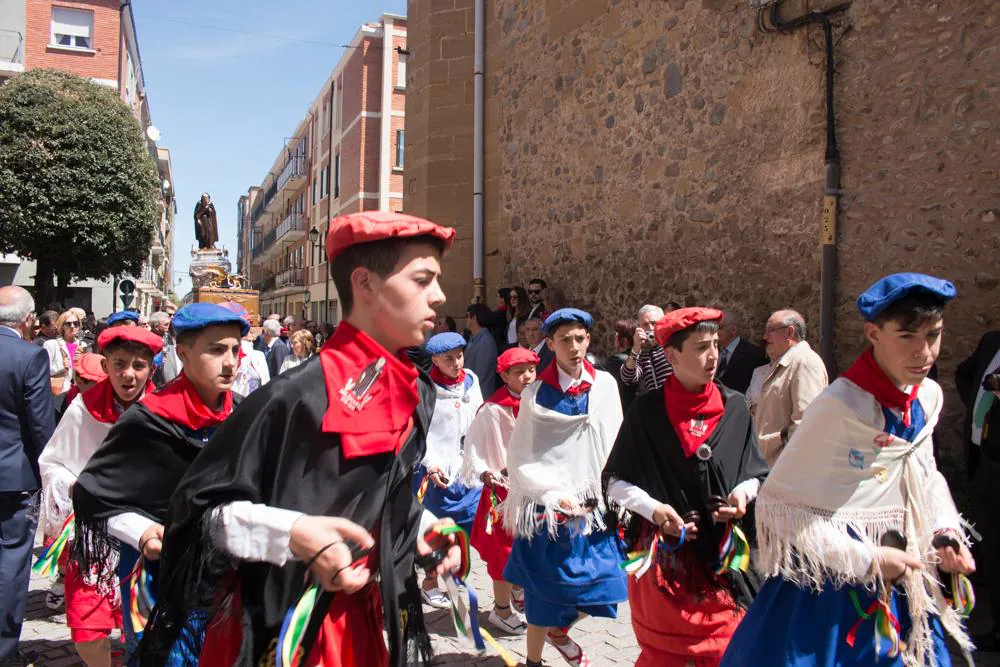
(88, 366)
(135, 334)
(350, 230)
(681, 319)
(515, 356)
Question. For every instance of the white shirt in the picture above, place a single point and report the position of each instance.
(566, 382)
(977, 432)
(538, 348)
(636, 500)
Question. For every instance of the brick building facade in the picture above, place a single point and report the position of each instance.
(347, 156)
(95, 39)
(669, 150)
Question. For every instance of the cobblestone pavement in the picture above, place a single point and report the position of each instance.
(45, 638)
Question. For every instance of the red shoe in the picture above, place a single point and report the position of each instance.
(571, 652)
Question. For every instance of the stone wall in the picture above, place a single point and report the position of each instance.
(652, 150)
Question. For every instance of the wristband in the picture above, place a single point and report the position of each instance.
(320, 553)
(142, 545)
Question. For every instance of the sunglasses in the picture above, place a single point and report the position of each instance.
(534, 291)
(71, 324)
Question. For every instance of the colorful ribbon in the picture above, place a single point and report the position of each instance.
(141, 599)
(964, 597)
(293, 629)
(886, 624)
(638, 562)
(48, 562)
(422, 491)
(493, 516)
(734, 552)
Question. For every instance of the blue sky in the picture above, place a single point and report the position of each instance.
(225, 100)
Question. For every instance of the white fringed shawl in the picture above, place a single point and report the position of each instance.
(454, 411)
(77, 438)
(486, 442)
(841, 472)
(552, 456)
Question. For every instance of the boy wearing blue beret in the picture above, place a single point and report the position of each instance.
(564, 556)
(858, 533)
(435, 480)
(121, 496)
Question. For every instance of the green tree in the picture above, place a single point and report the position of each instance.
(78, 187)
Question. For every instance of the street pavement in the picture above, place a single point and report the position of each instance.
(45, 638)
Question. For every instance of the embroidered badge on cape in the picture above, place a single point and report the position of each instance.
(354, 395)
(856, 459)
(883, 440)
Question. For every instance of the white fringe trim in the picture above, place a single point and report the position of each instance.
(521, 514)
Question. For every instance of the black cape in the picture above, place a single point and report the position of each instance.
(136, 470)
(648, 454)
(273, 451)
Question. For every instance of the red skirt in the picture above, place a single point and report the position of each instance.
(493, 548)
(90, 616)
(351, 634)
(675, 629)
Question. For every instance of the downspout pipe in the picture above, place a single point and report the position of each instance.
(831, 183)
(478, 209)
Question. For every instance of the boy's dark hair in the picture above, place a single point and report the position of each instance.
(552, 334)
(128, 346)
(189, 336)
(538, 281)
(676, 341)
(379, 257)
(481, 312)
(913, 311)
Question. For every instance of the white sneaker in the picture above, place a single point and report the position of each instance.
(435, 598)
(512, 625)
(55, 598)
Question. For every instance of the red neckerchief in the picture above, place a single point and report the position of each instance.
(373, 411)
(693, 416)
(867, 374)
(180, 403)
(73, 392)
(445, 381)
(550, 376)
(100, 401)
(505, 399)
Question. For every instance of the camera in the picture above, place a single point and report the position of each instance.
(992, 381)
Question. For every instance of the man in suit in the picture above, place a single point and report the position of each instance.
(738, 358)
(275, 349)
(982, 443)
(531, 328)
(481, 351)
(27, 420)
(536, 295)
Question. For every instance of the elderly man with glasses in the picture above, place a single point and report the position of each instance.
(797, 376)
(646, 368)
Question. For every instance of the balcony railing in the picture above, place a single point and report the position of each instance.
(263, 201)
(295, 277)
(295, 222)
(295, 170)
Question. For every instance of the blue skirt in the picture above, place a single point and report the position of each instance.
(458, 502)
(789, 626)
(571, 570)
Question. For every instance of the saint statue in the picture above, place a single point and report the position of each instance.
(206, 225)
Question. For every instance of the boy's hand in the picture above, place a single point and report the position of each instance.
(736, 509)
(437, 478)
(151, 542)
(326, 541)
(895, 562)
(670, 522)
(452, 553)
(955, 557)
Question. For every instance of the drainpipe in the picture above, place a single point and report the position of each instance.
(831, 183)
(478, 252)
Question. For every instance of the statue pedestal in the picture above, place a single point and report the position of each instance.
(248, 298)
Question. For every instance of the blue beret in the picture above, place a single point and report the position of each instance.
(122, 316)
(195, 316)
(892, 288)
(566, 316)
(445, 342)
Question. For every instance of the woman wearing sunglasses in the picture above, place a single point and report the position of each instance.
(63, 350)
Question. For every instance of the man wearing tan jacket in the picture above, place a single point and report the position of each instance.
(796, 378)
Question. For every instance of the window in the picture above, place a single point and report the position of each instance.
(314, 183)
(72, 27)
(399, 149)
(336, 176)
(401, 73)
(324, 183)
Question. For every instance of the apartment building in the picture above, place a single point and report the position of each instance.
(345, 155)
(96, 39)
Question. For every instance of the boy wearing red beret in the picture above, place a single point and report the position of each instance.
(92, 613)
(685, 467)
(486, 462)
(304, 494)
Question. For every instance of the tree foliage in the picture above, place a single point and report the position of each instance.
(78, 187)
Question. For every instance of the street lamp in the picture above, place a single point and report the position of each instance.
(317, 245)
